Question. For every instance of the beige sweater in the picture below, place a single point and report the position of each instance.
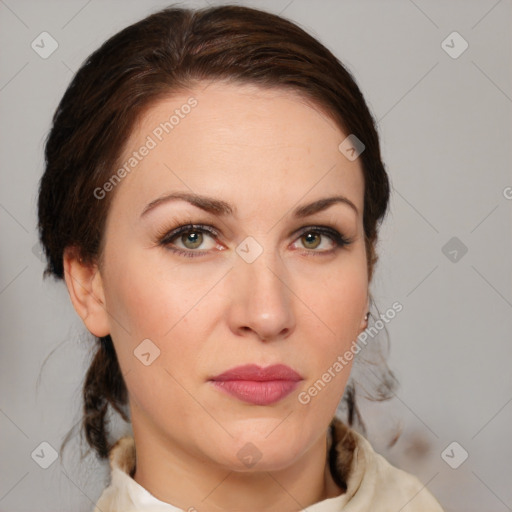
(372, 484)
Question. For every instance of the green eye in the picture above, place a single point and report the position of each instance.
(312, 240)
(195, 240)
(321, 240)
(192, 239)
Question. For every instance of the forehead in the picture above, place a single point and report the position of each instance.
(242, 142)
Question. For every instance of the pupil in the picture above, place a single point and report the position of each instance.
(310, 239)
(192, 239)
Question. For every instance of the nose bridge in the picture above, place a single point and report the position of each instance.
(262, 301)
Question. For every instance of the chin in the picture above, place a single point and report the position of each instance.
(263, 444)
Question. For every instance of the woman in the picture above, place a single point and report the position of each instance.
(212, 196)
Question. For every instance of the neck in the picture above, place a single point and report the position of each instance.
(176, 476)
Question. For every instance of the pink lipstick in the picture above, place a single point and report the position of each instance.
(256, 385)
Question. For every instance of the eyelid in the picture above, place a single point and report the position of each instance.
(164, 239)
(331, 232)
(184, 228)
(165, 236)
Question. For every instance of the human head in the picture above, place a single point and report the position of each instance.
(168, 53)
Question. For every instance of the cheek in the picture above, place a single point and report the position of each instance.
(151, 294)
(341, 312)
(151, 302)
(336, 309)
(336, 294)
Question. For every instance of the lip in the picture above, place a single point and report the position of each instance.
(256, 385)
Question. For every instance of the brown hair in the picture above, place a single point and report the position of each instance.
(169, 51)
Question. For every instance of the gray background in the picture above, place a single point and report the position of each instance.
(445, 125)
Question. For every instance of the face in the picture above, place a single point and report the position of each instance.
(214, 258)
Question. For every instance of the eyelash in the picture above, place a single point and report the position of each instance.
(165, 239)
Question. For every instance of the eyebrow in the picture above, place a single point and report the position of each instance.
(222, 208)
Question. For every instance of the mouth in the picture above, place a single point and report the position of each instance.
(258, 386)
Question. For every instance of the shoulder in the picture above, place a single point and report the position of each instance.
(372, 481)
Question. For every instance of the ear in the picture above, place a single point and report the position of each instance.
(85, 287)
(364, 321)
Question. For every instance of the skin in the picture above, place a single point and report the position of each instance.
(264, 151)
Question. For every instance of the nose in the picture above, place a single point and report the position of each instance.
(261, 302)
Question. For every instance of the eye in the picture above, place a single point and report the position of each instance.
(187, 239)
(192, 240)
(313, 238)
